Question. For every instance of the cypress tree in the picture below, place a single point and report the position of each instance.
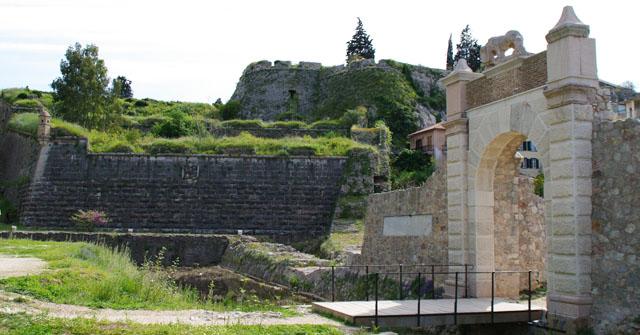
(450, 55)
(468, 49)
(360, 45)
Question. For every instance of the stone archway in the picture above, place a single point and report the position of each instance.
(547, 98)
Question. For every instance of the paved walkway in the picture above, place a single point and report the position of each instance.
(15, 266)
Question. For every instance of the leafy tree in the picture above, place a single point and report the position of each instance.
(360, 44)
(468, 49)
(230, 110)
(450, 55)
(125, 90)
(82, 94)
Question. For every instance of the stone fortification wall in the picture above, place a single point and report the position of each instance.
(266, 90)
(18, 158)
(279, 196)
(180, 249)
(408, 226)
(615, 243)
(529, 73)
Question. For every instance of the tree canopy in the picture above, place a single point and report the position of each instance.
(124, 86)
(360, 45)
(81, 94)
(469, 49)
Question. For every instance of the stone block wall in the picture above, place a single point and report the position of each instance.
(278, 196)
(18, 158)
(429, 247)
(531, 73)
(615, 270)
(180, 249)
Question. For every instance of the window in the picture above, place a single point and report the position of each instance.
(418, 144)
(429, 141)
(535, 164)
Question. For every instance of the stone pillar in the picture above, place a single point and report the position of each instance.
(44, 128)
(571, 85)
(457, 136)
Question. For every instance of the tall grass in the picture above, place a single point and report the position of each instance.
(134, 141)
(97, 276)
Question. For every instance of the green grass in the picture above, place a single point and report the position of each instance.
(135, 141)
(22, 324)
(23, 97)
(95, 276)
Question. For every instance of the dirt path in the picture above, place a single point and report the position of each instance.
(15, 303)
(16, 266)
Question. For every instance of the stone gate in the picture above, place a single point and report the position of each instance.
(548, 98)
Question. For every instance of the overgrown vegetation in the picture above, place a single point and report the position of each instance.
(23, 324)
(538, 184)
(96, 276)
(410, 168)
(134, 141)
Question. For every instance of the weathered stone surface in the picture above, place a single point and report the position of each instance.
(287, 197)
(179, 249)
(267, 90)
(18, 158)
(615, 241)
(428, 199)
(530, 74)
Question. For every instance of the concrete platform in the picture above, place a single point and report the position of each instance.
(403, 313)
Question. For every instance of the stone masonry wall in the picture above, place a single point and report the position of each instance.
(183, 249)
(615, 273)
(531, 74)
(519, 230)
(278, 196)
(18, 157)
(430, 198)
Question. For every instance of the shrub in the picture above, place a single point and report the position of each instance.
(27, 103)
(8, 212)
(410, 168)
(177, 124)
(89, 220)
(230, 110)
(538, 185)
(356, 116)
(141, 103)
(22, 95)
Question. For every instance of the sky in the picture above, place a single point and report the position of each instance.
(191, 50)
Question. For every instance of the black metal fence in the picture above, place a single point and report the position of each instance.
(460, 282)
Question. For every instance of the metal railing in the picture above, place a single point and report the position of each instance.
(400, 273)
(457, 275)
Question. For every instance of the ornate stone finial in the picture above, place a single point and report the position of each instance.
(568, 25)
(493, 52)
(462, 66)
(568, 17)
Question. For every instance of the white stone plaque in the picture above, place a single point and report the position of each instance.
(407, 225)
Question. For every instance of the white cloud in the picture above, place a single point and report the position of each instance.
(196, 50)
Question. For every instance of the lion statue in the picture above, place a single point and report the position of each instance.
(494, 51)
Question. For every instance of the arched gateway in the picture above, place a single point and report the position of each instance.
(546, 98)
